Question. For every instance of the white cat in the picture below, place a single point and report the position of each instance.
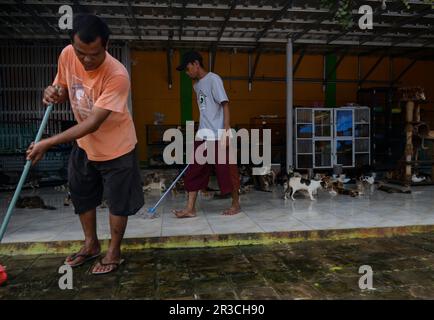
(417, 179)
(368, 179)
(296, 183)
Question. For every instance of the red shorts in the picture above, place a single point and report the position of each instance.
(197, 175)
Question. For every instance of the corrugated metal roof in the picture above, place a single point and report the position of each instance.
(227, 24)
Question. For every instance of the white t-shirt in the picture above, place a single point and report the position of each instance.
(210, 94)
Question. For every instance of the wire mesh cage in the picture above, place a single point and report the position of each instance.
(16, 136)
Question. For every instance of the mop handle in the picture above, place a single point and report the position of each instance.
(171, 187)
(24, 174)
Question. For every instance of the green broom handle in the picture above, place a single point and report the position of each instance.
(24, 174)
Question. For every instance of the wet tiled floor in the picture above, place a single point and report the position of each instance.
(262, 212)
(403, 268)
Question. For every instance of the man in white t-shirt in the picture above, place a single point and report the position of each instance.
(213, 104)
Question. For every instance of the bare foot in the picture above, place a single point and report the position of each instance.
(185, 213)
(232, 211)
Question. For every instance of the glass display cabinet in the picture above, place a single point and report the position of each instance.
(332, 136)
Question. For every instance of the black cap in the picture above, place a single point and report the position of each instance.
(189, 57)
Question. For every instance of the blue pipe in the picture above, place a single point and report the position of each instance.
(154, 208)
(24, 174)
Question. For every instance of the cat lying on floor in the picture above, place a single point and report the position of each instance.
(296, 184)
(336, 187)
(33, 202)
(393, 189)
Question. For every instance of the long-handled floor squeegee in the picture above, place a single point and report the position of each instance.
(154, 208)
(24, 174)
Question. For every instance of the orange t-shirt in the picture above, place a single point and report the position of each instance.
(108, 88)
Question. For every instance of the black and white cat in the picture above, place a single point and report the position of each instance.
(298, 183)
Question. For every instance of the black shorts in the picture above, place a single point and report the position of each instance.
(118, 180)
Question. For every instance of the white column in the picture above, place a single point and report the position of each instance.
(289, 106)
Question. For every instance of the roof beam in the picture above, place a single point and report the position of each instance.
(13, 26)
(133, 17)
(48, 27)
(332, 10)
(277, 16)
(255, 65)
(336, 66)
(377, 63)
(407, 68)
(181, 23)
(300, 58)
(228, 16)
(220, 34)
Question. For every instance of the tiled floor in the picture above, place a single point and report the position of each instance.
(262, 212)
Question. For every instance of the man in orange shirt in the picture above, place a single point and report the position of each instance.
(103, 158)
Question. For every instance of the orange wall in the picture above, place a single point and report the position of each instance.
(151, 94)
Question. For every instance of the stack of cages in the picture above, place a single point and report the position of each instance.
(328, 137)
(388, 126)
(15, 138)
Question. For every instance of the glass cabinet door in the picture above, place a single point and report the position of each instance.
(344, 123)
(344, 132)
(362, 140)
(304, 135)
(323, 153)
(344, 153)
(323, 138)
(323, 123)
